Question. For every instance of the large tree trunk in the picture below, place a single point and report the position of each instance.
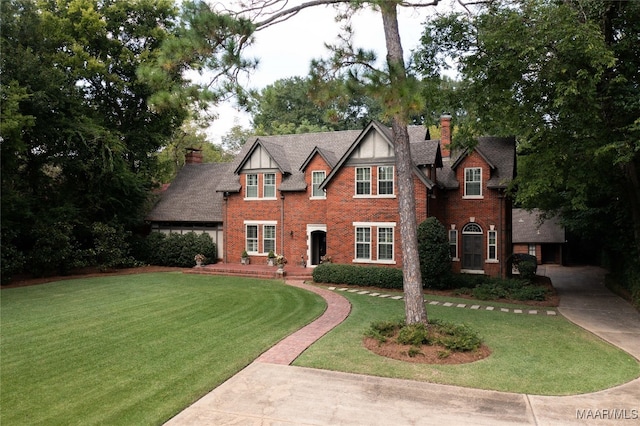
(415, 310)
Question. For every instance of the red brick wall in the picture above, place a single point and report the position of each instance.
(340, 210)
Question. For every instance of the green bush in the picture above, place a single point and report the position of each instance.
(12, 261)
(456, 337)
(177, 249)
(487, 288)
(375, 276)
(55, 250)
(111, 246)
(435, 257)
(414, 334)
(526, 265)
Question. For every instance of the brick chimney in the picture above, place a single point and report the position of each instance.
(445, 135)
(193, 156)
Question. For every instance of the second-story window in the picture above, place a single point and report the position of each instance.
(252, 186)
(269, 185)
(385, 180)
(363, 181)
(473, 182)
(316, 179)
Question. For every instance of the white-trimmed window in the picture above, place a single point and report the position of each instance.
(269, 185)
(453, 243)
(317, 178)
(363, 243)
(385, 243)
(532, 249)
(363, 180)
(473, 182)
(252, 238)
(260, 236)
(382, 234)
(268, 238)
(385, 180)
(492, 249)
(252, 185)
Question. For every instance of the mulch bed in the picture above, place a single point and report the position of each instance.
(427, 355)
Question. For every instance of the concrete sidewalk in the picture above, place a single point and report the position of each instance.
(265, 393)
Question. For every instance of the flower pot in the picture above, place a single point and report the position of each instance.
(271, 262)
(245, 260)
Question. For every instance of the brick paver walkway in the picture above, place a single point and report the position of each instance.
(288, 349)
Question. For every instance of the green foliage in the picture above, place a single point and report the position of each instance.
(55, 250)
(526, 265)
(177, 249)
(383, 329)
(111, 246)
(435, 257)
(375, 276)
(414, 334)
(456, 337)
(487, 288)
(12, 261)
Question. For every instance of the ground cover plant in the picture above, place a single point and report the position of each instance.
(535, 354)
(135, 349)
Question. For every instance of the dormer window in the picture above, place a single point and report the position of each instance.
(473, 182)
(252, 186)
(363, 180)
(269, 185)
(317, 177)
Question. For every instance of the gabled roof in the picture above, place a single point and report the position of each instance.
(527, 228)
(416, 138)
(329, 157)
(498, 152)
(275, 152)
(192, 195)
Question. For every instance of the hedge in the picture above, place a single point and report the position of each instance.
(373, 276)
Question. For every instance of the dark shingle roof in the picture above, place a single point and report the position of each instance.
(192, 195)
(528, 229)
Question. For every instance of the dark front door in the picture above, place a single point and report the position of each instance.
(318, 246)
(472, 252)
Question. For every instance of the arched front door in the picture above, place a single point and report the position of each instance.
(472, 247)
(318, 246)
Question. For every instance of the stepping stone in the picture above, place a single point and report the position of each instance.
(461, 305)
(504, 310)
(475, 307)
(448, 304)
(434, 302)
(397, 297)
(343, 289)
(517, 311)
(374, 294)
(533, 312)
(490, 308)
(551, 312)
(332, 288)
(352, 291)
(384, 295)
(363, 292)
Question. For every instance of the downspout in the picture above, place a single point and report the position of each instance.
(282, 223)
(225, 225)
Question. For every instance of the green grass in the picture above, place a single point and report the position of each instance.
(534, 354)
(135, 349)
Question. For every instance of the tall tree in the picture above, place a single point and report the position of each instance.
(397, 93)
(564, 77)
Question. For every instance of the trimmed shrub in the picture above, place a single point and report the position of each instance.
(526, 265)
(177, 249)
(435, 257)
(111, 247)
(374, 276)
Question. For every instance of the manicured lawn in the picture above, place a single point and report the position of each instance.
(134, 349)
(531, 354)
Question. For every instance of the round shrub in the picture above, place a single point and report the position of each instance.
(526, 265)
(373, 276)
(435, 257)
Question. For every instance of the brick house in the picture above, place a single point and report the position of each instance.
(334, 194)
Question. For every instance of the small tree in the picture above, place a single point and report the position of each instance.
(435, 257)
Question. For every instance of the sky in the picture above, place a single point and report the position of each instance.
(286, 49)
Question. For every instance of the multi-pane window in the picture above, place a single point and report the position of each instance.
(473, 182)
(453, 243)
(269, 185)
(492, 237)
(385, 180)
(363, 181)
(268, 238)
(363, 243)
(252, 186)
(532, 249)
(316, 179)
(252, 238)
(385, 243)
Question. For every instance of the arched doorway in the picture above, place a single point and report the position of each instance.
(472, 247)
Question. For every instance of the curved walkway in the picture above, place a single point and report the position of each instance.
(270, 393)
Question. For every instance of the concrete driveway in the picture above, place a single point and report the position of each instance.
(267, 393)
